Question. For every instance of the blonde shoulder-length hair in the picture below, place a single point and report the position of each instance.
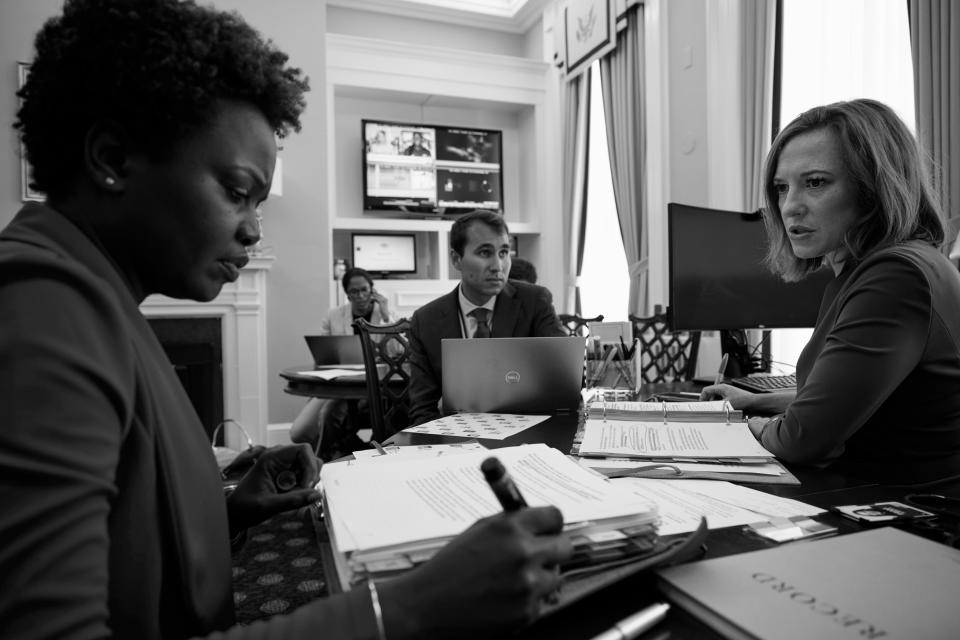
(895, 197)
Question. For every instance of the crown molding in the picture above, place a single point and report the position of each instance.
(509, 16)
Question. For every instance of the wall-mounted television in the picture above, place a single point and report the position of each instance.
(431, 169)
(385, 254)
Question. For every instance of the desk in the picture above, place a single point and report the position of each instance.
(600, 610)
(345, 388)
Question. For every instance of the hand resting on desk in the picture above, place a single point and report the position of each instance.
(486, 581)
(763, 403)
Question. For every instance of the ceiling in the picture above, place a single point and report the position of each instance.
(513, 16)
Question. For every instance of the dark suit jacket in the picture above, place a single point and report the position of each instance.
(522, 310)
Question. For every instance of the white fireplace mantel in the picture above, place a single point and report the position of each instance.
(241, 307)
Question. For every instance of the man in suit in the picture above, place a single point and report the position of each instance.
(484, 304)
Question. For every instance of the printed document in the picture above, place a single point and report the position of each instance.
(681, 503)
(489, 426)
(673, 440)
(377, 506)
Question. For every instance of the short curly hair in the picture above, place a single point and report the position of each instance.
(157, 68)
(895, 196)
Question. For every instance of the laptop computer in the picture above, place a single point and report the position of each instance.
(512, 375)
(335, 350)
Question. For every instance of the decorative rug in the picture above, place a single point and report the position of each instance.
(279, 568)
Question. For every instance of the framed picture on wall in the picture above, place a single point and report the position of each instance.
(26, 193)
(589, 31)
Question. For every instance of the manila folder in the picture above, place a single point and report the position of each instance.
(882, 583)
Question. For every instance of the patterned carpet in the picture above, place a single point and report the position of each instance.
(278, 569)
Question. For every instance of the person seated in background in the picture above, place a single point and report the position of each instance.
(483, 305)
(846, 189)
(324, 423)
(152, 128)
(524, 270)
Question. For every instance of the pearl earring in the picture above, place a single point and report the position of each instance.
(110, 181)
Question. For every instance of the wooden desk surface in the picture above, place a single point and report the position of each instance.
(346, 388)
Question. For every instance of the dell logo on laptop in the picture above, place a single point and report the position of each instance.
(512, 377)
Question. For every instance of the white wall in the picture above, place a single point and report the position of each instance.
(296, 224)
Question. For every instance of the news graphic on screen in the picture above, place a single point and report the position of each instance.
(385, 254)
(431, 169)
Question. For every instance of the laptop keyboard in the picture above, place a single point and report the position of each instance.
(765, 384)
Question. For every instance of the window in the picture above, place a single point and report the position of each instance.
(839, 50)
(604, 279)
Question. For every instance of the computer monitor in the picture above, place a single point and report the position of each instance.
(717, 279)
(385, 254)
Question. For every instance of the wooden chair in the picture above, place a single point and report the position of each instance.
(665, 355)
(575, 325)
(386, 350)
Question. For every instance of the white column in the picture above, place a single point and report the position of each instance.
(241, 307)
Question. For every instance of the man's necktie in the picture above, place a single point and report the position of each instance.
(481, 315)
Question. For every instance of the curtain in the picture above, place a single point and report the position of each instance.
(758, 26)
(621, 83)
(741, 40)
(575, 119)
(935, 45)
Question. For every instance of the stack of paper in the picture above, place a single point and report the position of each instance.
(673, 448)
(386, 518)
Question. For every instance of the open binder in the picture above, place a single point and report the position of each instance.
(698, 411)
(704, 440)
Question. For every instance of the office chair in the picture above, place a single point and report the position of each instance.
(665, 355)
(575, 325)
(386, 350)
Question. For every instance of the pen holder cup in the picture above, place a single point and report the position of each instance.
(225, 454)
(612, 374)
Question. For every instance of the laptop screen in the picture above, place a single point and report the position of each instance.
(331, 350)
(512, 375)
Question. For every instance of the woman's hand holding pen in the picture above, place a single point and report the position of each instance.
(488, 580)
(281, 478)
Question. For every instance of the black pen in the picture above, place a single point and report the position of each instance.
(502, 485)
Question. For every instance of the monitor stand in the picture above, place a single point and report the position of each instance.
(733, 343)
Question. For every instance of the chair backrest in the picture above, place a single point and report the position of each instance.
(386, 349)
(575, 325)
(665, 355)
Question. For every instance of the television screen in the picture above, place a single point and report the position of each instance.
(385, 254)
(431, 169)
(718, 279)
